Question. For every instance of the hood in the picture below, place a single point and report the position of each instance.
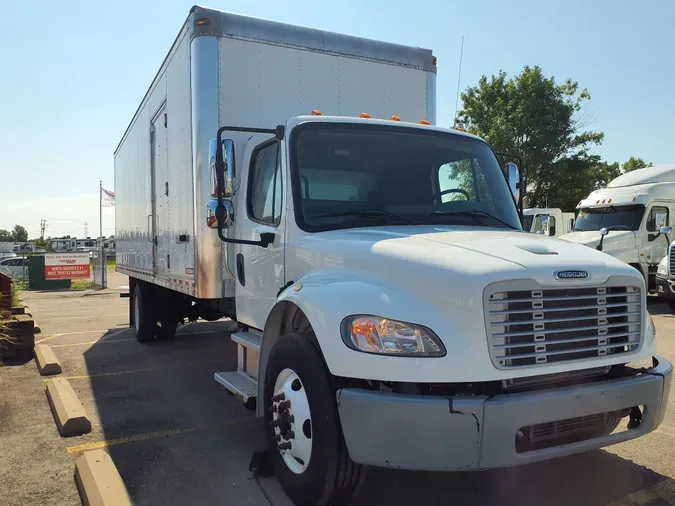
(453, 252)
(615, 240)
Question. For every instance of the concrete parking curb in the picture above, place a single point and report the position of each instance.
(47, 362)
(70, 417)
(98, 481)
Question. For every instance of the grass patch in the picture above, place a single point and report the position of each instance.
(17, 288)
(81, 284)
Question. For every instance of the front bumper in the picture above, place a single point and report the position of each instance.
(478, 432)
(665, 288)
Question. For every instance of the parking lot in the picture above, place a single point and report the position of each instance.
(178, 438)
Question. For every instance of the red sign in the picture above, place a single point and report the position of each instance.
(67, 266)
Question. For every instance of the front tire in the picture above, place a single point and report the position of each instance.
(303, 432)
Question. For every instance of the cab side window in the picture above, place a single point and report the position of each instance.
(264, 189)
(652, 225)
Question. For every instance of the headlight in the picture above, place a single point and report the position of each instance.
(662, 269)
(372, 334)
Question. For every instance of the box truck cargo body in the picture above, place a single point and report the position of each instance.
(235, 70)
(390, 309)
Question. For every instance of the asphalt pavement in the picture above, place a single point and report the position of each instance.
(178, 438)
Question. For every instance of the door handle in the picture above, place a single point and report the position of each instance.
(150, 237)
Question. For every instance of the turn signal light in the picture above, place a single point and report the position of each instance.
(395, 118)
(316, 112)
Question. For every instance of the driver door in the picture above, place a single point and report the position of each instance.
(260, 271)
(655, 248)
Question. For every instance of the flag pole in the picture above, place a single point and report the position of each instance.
(100, 230)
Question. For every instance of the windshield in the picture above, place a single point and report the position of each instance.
(611, 217)
(527, 222)
(347, 175)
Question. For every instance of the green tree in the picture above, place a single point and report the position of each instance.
(19, 234)
(577, 177)
(40, 243)
(535, 118)
(5, 235)
(634, 164)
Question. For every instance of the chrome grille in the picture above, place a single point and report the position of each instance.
(671, 261)
(540, 326)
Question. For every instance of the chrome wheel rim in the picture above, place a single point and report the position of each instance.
(292, 421)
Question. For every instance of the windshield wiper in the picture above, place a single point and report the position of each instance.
(366, 213)
(475, 213)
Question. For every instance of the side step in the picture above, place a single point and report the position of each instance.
(239, 383)
(243, 382)
(250, 340)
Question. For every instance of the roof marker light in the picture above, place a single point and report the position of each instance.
(425, 122)
(316, 112)
(364, 115)
(395, 118)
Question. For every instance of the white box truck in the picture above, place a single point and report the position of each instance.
(391, 310)
(626, 219)
(552, 222)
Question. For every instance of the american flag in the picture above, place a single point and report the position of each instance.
(107, 198)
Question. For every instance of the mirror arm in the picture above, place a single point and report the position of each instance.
(266, 238)
(599, 246)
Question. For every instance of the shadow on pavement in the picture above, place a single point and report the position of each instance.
(206, 439)
(656, 305)
(595, 478)
(184, 439)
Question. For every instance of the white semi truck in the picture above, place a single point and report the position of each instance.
(552, 222)
(629, 216)
(391, 310)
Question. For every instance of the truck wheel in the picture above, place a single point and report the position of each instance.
(145, 322)
(303, 432)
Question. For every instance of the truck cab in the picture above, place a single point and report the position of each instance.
(551, 222)
(631, 211)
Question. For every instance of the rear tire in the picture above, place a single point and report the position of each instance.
(145, 321)
(329, 477)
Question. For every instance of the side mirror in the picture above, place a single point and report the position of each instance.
(513, 178)
(603, 233)
(570, 225)
(660, 220)
(665, 230)
(222, 174)
(226, 212)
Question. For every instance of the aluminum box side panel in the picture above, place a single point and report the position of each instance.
(264, 85)
(134, 186)
(180, 232)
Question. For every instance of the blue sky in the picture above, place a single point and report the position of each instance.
(73, 72)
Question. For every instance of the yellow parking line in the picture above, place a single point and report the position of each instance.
(144, 369)
(82, 317)
(98, 341)
(68, 334)
(150, 435)
(106, 340)
(662, 491)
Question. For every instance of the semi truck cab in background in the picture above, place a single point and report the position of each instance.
(633, 214)
(391, 311)
(551, 222)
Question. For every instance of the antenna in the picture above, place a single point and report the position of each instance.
(459, 76)
(86, 229)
